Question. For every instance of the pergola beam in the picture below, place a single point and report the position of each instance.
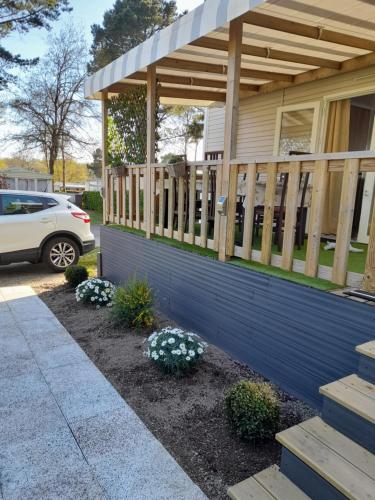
(192, 81)
(308, 31)
(268, 53)
(201, 95)
(221, 69)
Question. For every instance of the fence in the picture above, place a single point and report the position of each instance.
(271, 204)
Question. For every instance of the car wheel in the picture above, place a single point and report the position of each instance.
(60, 253)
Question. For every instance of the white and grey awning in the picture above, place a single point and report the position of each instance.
(285, 43)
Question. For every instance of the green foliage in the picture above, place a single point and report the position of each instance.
(96, 291)
(96, 166)
(253, 410)
(172, 158)
(91, 200)
(127, 24)
(132, 304)
(21, 16)
(74, 275)
(174, 350)
(127, 139)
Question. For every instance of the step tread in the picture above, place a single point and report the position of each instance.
(328, 463)
(367, 349)
(353, 393)
(249, 489)
(354, 453)
(269, 484)
(278, 485)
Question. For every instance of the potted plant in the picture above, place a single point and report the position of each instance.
(177, 166)
(118, 167)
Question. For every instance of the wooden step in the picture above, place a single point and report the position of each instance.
(353, 393)
(270, 484)
(341, 462)
(367, 349)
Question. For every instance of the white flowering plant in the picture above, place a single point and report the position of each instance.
(96, 291)
(174, 350)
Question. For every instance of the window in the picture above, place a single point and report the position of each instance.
(26, 184)
(296, 129)
(13, 204)
(51, 202)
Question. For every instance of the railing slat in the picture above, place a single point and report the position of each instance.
(161, 202)
(320, 185)
(137, 199)
(110, 197)
(123, 189)
(204, 212)
(345, 222)
(151, 172)
(369, 279)
(192, 203)
(219, 171)
(247, 242)
(171, 203)
(231, 210)
(131, 198)
(180, 209)
(291, 208)
(269, 207)
(118, 200)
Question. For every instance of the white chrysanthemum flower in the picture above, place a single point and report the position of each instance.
(164, 343)
(174, 351)
(191, 353)
(188, 358)
(171, 340)
(178, 352)
(92, 299)
(153, 343)
(182, 346)
(161, 352)
(200, 350)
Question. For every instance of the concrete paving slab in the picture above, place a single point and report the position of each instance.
(62, 355)
(26, 420)
(22, 388)
(68, 483)
(65, 431)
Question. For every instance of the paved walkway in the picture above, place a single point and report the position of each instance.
(65, 432)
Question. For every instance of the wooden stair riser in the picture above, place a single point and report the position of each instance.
(311, 483)
(349, 423)
(366, 368)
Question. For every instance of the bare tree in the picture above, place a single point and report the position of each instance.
(49, 107)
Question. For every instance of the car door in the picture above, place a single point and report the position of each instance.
(25, 220)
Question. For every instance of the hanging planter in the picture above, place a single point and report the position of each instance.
(177, 169)
(119, 170)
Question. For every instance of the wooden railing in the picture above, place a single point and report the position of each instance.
(291, 189)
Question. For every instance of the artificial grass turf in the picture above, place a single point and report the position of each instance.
(299, 278)
(95, 217)
(89, 261)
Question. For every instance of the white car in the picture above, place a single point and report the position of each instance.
(44, 227)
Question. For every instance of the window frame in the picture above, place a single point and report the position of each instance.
(42, 198)
(316, 106)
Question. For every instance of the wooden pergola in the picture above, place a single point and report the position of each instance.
(226, 50)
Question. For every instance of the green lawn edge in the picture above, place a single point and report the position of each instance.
(301, 279)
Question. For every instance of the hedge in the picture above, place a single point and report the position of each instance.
(92, 200)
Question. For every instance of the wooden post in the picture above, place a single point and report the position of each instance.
(105, 106)
(151, 138)
(204, 212)
(269, 208)
(138, 198)
(345, 222)
(291, 208)
(369, 278)
(251, 179)
(227, 222)
(319, 193)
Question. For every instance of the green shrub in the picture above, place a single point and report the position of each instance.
(174, 350)
(132, 304)
(74, 275)
(91, 200)
(253, 410)
(97, 292)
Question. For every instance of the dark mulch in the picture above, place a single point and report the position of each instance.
(187, 414)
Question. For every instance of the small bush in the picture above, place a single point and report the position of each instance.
(253, 410)
(132, 305)
(92, 200)
(74, 275)
(98, 292)
(174, 350)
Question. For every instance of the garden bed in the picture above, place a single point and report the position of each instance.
(186, 414)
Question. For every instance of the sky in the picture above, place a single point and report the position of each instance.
(84, 14)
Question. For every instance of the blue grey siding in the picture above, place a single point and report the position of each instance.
(298, 337)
